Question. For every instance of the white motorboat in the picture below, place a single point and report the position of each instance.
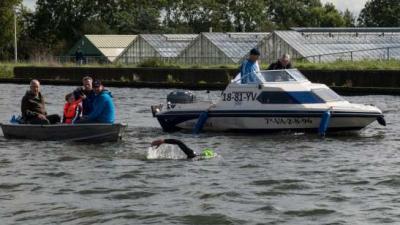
(285, 101)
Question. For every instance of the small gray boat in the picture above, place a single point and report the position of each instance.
(95, 132)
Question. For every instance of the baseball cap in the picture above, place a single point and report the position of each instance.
(97, 83)
(254, 51)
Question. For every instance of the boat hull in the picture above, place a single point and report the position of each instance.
(266, 121)
(60, 132)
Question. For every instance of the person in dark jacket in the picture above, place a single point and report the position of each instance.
(103, 106)
(282, 63)
(86, 93)
(33, 107)
(191, 154)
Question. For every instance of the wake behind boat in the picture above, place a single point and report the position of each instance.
(285, 101)
(93, 132)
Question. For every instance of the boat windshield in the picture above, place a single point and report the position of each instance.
(291, 75)
(283, 75)
(327, 95)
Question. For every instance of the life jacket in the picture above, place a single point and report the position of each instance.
(72, 111)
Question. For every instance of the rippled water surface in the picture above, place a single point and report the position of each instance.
(289, 178)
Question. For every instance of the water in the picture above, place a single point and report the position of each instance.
(288, 178)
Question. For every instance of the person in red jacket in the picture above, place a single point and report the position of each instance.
(72, 109)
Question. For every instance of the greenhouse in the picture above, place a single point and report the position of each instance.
(331, 44)
(311, 44)
(220, 48)
(164, 47)
(101, 48)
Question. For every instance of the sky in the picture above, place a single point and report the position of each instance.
(29, 3)
(354, 6)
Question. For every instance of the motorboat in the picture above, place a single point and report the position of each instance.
(284, 100)
(93, 132)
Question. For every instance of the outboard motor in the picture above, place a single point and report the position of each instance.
(181, 97)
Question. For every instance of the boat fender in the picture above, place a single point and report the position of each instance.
(13, 120)
(200, 122)
(324, 124)
(16, 119)
(381, 120)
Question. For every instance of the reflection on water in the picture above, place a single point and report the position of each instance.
(287, 178)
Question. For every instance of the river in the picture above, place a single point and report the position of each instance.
(286, 178)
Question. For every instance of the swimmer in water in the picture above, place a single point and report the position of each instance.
(205, 154)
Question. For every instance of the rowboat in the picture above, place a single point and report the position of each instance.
(94, 132)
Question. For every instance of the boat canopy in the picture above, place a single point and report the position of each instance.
(289, 75)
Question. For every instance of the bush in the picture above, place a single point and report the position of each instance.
(365, 64)
(6, 70)
(151, 63)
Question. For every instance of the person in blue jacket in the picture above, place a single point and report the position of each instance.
(250, 70)
(103, 110)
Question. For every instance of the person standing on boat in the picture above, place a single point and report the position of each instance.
(86, 93)
(103, 106)
(281, 64)
(250, 70)
(33, 107)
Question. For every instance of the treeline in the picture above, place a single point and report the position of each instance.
(55, 25)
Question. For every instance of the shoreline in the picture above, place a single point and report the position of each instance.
(192, 86)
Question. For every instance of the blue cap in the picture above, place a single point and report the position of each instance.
(96, 83)
(254, 51)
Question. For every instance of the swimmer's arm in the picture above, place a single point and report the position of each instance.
(188, 151)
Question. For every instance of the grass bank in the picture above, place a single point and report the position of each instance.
(349, 65)
(6, 68)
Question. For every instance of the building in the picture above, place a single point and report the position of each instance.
(164, 47)
(101, 48)
(311, 44)
(220, 48)
(331, 44)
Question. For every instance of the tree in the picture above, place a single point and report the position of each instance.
(248, 15)
(380, 13)
(288, 13)
(137, 16)
(349, 18)
(304, 13)
(331, 17)
(58, 24)
(7, 8)
(26, 45)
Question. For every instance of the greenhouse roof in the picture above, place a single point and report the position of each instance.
(346, 29)
(235, 45)
(364, 43)
(111, 46)
(169, 45)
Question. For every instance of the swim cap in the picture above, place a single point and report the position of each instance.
(207, 153)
